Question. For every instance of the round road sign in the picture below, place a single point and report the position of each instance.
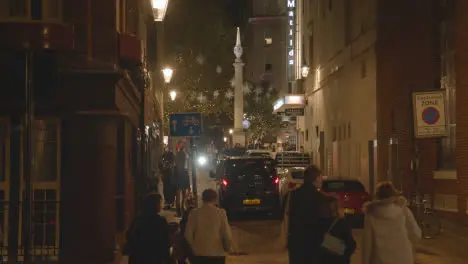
(430, 115)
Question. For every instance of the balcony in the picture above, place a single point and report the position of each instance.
(37, 36)
(129, 48)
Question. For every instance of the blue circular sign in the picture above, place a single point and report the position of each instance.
(430, 115)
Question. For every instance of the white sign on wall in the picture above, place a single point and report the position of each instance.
(429, 114)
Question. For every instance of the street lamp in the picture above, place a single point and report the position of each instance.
(173, 95)
(159, 9)
(167, 74)
(231, 131)
(225, 139)
(305, 71)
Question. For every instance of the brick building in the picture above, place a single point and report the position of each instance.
(89, 64)
(366, 59)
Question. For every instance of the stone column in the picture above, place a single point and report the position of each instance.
(88, 218)
(239, 135)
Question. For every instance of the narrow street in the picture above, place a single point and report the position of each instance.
(257, 237)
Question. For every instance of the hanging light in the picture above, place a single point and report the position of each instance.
(159, 9)
(167, 74)
(305, 71)
(173, 95)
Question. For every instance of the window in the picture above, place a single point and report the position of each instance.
(3, 151)
(45, 144)
(363, 69)
(334, 134)
(311, 50)
(349, 130)
(448, 82)
(307, 135)
(268, 67)
(45, 216)
(268, 41)
(32, 9)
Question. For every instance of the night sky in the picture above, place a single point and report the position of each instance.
(235, 10)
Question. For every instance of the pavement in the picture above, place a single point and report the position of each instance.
(258, 239)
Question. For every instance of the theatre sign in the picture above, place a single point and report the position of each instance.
(291, 5)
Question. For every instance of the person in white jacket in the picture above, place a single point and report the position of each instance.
(389, 229)
(208, 232)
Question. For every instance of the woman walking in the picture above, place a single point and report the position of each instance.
(389, 229)
(208, 232)
(339, 232)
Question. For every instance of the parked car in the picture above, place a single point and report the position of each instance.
(258, 153)
(247, 184)
(351, 194)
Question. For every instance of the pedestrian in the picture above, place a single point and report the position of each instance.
(182, 180)
(167, 166)
(208, 232)
(303, 230)
(338, 244)
(148, 235)
(389, 228)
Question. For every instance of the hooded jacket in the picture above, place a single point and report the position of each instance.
(389, 231)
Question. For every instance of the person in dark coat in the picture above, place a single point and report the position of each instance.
(339, 228)
(182, 180)
(148, 237)
(167, 168)
(305, 231)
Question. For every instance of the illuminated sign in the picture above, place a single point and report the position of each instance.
(291, 5)
(290, 100)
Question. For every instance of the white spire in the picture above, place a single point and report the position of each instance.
(238, 48)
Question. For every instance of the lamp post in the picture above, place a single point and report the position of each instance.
(305, 71)
(167, 74)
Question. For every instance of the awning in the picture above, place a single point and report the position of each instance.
(290, 101)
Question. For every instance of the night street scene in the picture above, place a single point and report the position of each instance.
(233, 131)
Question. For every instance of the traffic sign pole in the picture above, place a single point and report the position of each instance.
(193, 151)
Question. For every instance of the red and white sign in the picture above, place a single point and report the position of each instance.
(429, 114)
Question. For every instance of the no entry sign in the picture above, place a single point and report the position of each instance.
(429, 114)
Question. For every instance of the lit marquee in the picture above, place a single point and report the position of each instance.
(291, 5)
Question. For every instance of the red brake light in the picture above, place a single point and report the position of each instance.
(225, 183)
(276, 180)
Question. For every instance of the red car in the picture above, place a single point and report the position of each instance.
(352, 196)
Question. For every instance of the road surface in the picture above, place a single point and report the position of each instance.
(257, 236)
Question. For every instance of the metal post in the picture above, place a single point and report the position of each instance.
(28, 163)
(193, 151)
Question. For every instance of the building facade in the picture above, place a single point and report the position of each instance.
(86, 67)
(366, 59)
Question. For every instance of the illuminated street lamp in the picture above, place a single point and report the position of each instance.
(159, 9)
(167, 73)
(305, 71)
(231, 131)
(225, 139)
(173, 95)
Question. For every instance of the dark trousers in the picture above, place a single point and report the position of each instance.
(168, 188)
(209, 260)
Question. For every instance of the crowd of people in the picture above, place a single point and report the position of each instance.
(312, 231)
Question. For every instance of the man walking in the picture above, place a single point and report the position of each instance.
(182, 179)
(167, 168)
(305, 232)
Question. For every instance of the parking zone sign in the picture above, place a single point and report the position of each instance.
(429, 114)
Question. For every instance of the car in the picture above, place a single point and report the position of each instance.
(247, 184)
(290, 178)
(258, 153)
(352, 196)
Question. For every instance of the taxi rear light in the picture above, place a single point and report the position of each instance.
(225, 183)
(276, 180)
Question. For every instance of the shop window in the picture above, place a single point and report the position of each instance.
(45, 144)
(32, 9)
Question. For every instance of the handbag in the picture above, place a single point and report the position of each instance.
(333, 244)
